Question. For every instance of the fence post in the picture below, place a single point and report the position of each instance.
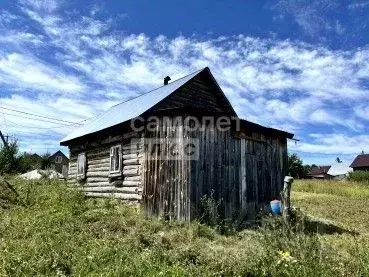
(286, 198)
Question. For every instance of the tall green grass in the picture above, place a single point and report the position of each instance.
(60, 233)
(333, 187)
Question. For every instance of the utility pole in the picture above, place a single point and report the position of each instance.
(3, 139)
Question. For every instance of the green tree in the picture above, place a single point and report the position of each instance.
(9, 162)
(28, 162)
(296, 168)
(45, 162)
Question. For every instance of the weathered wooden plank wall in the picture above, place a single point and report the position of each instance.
(197, 94)
(166, 173)
(242, 174)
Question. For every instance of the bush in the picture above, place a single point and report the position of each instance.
(210, 210)
(8, 158)
(11, 162)
(359, 176)
(28, 162)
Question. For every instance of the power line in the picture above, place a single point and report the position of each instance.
(37, 119)
(53, 134)
(40, 128)
(34, 135)
(41, 116)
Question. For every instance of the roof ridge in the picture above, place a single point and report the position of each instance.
(130, 108)
(125, 101)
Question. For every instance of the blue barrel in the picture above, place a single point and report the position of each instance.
(276, 207)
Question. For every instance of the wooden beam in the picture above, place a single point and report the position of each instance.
(3, 139)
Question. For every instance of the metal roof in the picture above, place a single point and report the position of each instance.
(129, 109)
(361, 161)
(339, 169)
(135, 107)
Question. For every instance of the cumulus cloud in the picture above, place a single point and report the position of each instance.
(358, 5)
(333, 144)
(310, 16)
(21, 71)
(89, 65)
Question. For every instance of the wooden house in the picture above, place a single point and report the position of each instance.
(170, 148)
(319, 172)
(361, 163)
(339, 171)
(59, 162)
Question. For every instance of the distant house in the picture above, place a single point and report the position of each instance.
(339, 171)
(319, 172)
(59, 162)
(36, 157)
(36, 160)
(361, 162)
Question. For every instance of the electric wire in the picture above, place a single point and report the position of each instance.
(31, 118)
(37, 115)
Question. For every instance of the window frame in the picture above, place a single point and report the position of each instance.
(112, 166)
(84, 162)
(58, 159)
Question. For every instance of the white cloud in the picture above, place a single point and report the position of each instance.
(22, 71)
(358, 5)
(42, 6)
(15, 37)
(6, 17)
(362, 112)
(333, 144)
(280, 83)
(310, 16)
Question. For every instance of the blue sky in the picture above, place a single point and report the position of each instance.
(302, 66)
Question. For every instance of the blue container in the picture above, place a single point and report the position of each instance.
(276, 207)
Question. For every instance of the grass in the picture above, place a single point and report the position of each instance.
(332, 187)
(57, 232)
(344, 202)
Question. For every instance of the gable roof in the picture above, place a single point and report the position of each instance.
(318, 170)
(360, 161)
(135, 107)
(339, 169)
(36, 156)
(58, 153)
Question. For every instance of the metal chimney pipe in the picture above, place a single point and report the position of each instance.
(166, 80)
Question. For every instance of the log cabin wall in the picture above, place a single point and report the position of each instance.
(99, 182)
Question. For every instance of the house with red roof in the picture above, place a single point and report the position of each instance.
(361, 162)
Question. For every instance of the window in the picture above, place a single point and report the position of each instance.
(115, 159)
(81, 165)
(58, 159)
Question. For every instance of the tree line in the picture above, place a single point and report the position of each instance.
(297, 169)
(12, 161)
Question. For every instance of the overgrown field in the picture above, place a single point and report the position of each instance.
(52, 231)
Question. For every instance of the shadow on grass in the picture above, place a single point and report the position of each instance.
(309, 225)
(306, 224)
(299, 223)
